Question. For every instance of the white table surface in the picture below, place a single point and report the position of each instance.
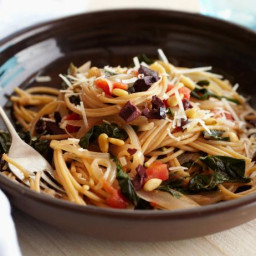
(37, 238)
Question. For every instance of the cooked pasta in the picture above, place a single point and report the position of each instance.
(151, 136)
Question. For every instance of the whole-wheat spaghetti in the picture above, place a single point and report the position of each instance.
(152, 136)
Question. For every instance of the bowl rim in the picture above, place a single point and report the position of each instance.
(207, 210)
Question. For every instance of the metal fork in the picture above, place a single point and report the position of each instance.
(29, 159)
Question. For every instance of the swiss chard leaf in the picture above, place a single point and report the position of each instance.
(112, 130)
(128, 189)
(169, 112)
(5, 142)
(125, 184)
(225, 169)
(203, 83)
(146, 59)
(204, 94)
(233, 167)
(201, 182)
(171, 191)
(215, 135)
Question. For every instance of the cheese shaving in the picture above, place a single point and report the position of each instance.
(84, 114)
(43, 79)
(136, 62)
(162, 56)
(65, 80)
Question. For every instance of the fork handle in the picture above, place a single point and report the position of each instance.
(8, 123)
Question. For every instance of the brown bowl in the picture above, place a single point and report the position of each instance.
(114, 37)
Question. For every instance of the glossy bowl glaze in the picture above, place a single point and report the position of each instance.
(114, 37)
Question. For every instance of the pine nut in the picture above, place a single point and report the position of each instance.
(210, 121)
(233, 137)
(189, 83)
(152, 184)
(119, 92)
(103, 142)
(94, 72)
(116, 141)
(172, 101)
(191, 113)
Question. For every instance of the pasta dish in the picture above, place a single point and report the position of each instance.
(147, 136)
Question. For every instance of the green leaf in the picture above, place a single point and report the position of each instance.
(203, 83)
(215, 135)
(125, 184)
(166, 188)
(109, 73)
(201, 182)
(204, 94)
(5, 142)
(146, 59)
(225, 169)
(84, 141)
(128, 189)
(112, 130)
(233, 167)
(169, 112)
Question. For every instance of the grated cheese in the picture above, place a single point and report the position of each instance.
(162, 56)
(178, 168)
(193, 70)
(130, 81)
(73, 139)
(42, 79)
(181, 108)
(235, 87)
(65, 80)
(230, 109)
(136, 62)
(84, 114)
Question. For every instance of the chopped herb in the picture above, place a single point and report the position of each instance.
(131, 90)
(109, 73)
(144, 58)
(203, 83)
(171, 191)
(215, 135)
(169, 112)
(112, 130)
(204, 94)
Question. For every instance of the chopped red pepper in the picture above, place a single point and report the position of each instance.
(157, 170)
(219, 113)
(183, 90)
(115, 199)
(120, 86)
(103, 84)
(71, 128)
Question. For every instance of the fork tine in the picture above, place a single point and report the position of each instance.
(50, 182)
